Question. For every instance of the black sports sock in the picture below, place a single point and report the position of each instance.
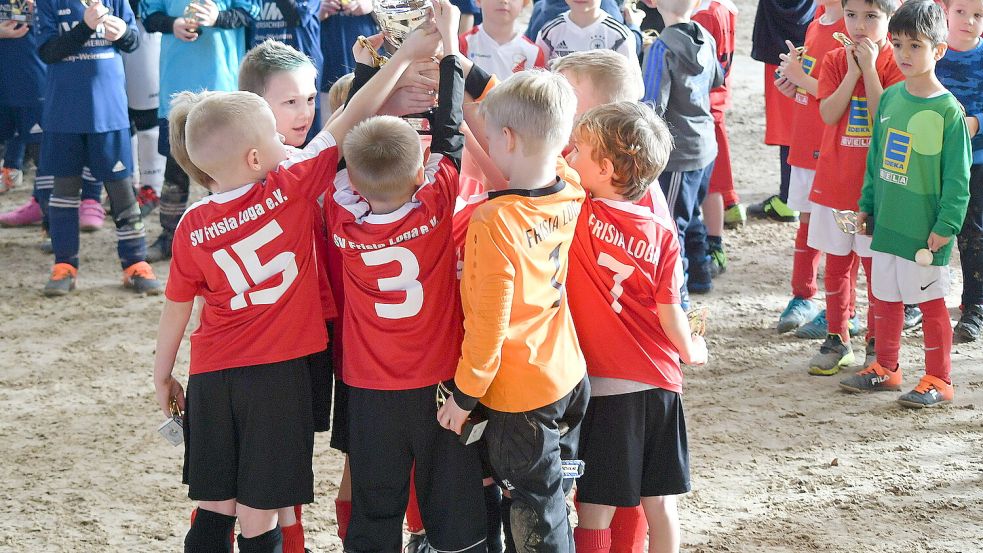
(786, 171)
(715, 243)
(507, 525)
(493, 508)
(270, 542)
(209, 533)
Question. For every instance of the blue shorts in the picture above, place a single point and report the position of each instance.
(21, 120)
(107, 154)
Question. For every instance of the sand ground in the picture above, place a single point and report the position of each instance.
(781, 461)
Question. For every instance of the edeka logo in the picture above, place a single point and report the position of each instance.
(858, 122)
(897, 154)
(808, 64)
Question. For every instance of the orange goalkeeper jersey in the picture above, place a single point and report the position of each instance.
(520, 348)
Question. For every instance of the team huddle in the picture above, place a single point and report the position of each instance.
(476, 272)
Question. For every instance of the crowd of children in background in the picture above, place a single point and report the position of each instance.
(528, 261)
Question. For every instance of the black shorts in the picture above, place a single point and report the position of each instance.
(249, 435)
(633, 446)
(391, 431)
(321, 383)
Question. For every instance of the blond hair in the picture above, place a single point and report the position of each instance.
(538, 106)
(210, 130)
(383, 154)
(633, 138)
(613, 76)
(267, 59)
(338, 93)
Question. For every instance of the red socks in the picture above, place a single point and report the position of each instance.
(938, 339)
(414, 521)
(629, 530)
(839, 286)
(890, 323)
(871, 300)
(805, 265)
(343, 511)
(592, 541)
(293, 538)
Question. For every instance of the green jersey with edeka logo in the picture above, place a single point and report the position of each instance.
(917, 177)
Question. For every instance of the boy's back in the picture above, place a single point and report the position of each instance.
(249, 253)
(679, 71)
(626, 261)
(535, 350)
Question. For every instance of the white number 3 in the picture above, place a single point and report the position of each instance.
(621, 272)
(405, 281)
(283, 263)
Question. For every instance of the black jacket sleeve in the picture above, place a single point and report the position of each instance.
(447, 136)
(290, 10)
(233, 19)
(129, 42)
(476, 85)
(362, 75)
(159, 22)
(65, 45)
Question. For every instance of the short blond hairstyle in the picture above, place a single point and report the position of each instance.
(537, 105)
(383, 155)
(267, 59)
(338, 93)
(614, 77)
(633, 138)
(210, 130)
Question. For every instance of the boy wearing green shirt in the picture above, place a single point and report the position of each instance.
(915, 194)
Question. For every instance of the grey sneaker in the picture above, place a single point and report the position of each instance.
(970, 325)
(930, 392)
(874, 378)
(833, 355)
(140, 278)
(798, 312)
(62, 280)
(912, 316)
(160, 250)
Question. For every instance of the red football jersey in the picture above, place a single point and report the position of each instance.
(719, 17)
(624, 261)
(250, 253)
(843, 151)
(402, 315)
(807, 123)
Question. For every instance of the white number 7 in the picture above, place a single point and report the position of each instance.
(283, 263)
(621, 272)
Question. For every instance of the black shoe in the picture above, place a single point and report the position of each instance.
(160, 250)
(912, 316)
(418, 543)
(970, 325)
(775, 209)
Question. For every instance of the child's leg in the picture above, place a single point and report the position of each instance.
(970, 325)
(839, 285)
(258, 529)
(63, 215)
(871, 300)
(805, 263)
(938, 339)
(343, 503)
(890, 322)
(593, 531)
(629, 530)
(414, 520)
(493, 515)
(212, 524)
(131, 245)
(696, 231)
(91, 188)
(663, 520)
(291, 529)
(149, 160)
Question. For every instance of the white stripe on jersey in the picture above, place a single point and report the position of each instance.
(497, 59)
(346, 197)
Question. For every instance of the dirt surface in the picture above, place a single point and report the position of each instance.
(781, 461)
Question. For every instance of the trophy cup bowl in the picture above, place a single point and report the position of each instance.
(17, 10)
(398, 18)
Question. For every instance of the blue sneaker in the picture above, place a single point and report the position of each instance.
(798, 312)
(819, 327)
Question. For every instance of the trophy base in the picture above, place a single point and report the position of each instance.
(422, 123)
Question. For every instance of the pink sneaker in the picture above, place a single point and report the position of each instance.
(91, 216)
(27, 214)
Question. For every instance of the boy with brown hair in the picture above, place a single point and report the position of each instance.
(520, 357)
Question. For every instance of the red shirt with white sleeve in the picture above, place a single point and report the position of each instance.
(249, 253)
(625, 261)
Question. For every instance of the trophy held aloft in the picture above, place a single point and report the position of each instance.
(397, 19)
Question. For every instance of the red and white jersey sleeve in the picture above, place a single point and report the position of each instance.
(625, 261)
(500, 60)
(402, 318)
(249, 253)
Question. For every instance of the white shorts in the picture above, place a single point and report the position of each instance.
(799, 188)
(897, 279)
(142, 69)
(826, 236)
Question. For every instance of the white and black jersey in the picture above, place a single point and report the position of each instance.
(562, 36)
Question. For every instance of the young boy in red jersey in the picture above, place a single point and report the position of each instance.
(390, 214)
(916, 190)
(497, 45)
(850, 86)
(624, 285)
(802, 72)
(722, 206)
(247, 249)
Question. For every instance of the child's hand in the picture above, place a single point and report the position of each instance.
(407, 101)
(421, 44)
(452, 417)
(357, 7)
(167, 390)
(12, 29)
(700, 355)
(862, 223)
(792, 64)
(94, 14)
(973, 125)
(448, 19)
(421, 75)
(362, 54)
(186, 30)
(785, 86)
(866, 54)
(633, 16)
(114, 28)
(936, 242)
(329, 8)
(852, 63)
(206, 12)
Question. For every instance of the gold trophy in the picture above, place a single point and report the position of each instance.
(190, 15)
(20, 11)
